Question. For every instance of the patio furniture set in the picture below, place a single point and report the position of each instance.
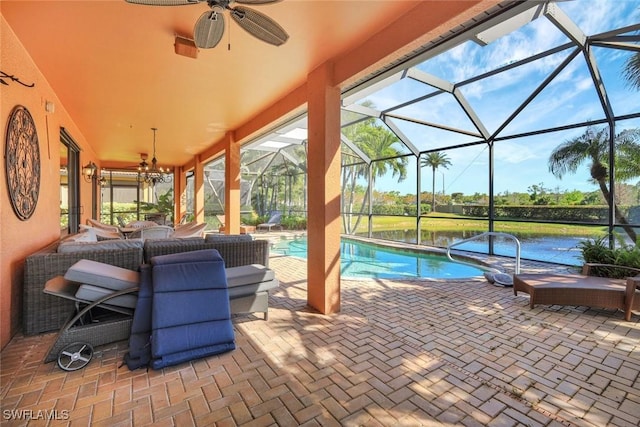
(175, 308)
(95, 230)
(43, 312)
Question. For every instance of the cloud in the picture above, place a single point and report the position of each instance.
(515, 153)
(594, 17)
(583, 84)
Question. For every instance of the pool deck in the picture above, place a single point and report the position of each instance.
(400, 353)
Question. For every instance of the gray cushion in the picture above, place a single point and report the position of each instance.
(250, 279)
(66, 246)
(222, 238)
(246, 274)
(100, 274)
(93, 293)
(253, 288)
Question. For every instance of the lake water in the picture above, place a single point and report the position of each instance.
(555, 249)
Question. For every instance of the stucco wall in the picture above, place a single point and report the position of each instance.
(20, 238)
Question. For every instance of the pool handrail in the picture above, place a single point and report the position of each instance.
(487, 233)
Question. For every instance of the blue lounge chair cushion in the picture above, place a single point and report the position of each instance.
(139, 354)
(182, 311)
(190, 315)
(202, 269)
(170, 341)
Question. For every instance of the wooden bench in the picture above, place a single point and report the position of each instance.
(580, 290)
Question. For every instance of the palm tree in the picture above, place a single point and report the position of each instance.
(375, 142)
(593, 146)
(379, 144)
(434, 160)
(631, 70)
(628, 154)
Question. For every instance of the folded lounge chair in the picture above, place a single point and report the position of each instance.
(581, 290)
(105, 296)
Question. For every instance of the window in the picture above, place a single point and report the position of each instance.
(69, 184)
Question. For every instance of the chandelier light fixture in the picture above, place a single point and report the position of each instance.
(151, 173)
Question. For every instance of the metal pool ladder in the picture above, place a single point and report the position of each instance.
(494, 274)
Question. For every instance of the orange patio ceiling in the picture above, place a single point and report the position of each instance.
(112, 65)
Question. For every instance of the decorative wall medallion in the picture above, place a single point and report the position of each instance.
(22, 162)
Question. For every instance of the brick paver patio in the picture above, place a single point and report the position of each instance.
(400, 353)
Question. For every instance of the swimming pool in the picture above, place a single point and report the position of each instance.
(364, 260)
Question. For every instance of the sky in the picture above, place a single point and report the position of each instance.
(569, 98)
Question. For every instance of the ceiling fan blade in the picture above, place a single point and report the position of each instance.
(208, 30)
(165, 2)
(257, 1)
(259, 25)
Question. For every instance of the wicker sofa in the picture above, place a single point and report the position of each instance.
(43, 313)
(235, 250)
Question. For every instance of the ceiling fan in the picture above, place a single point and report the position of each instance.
(210, 26)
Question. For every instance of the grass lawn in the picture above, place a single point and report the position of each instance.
(446, 222)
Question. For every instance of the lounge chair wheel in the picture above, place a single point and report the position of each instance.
(75, 356)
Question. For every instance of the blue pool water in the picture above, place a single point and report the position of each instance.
(363, 260)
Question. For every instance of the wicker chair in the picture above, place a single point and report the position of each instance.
(141, 224)
(191, 229)
(157, 232)
(102, 233)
